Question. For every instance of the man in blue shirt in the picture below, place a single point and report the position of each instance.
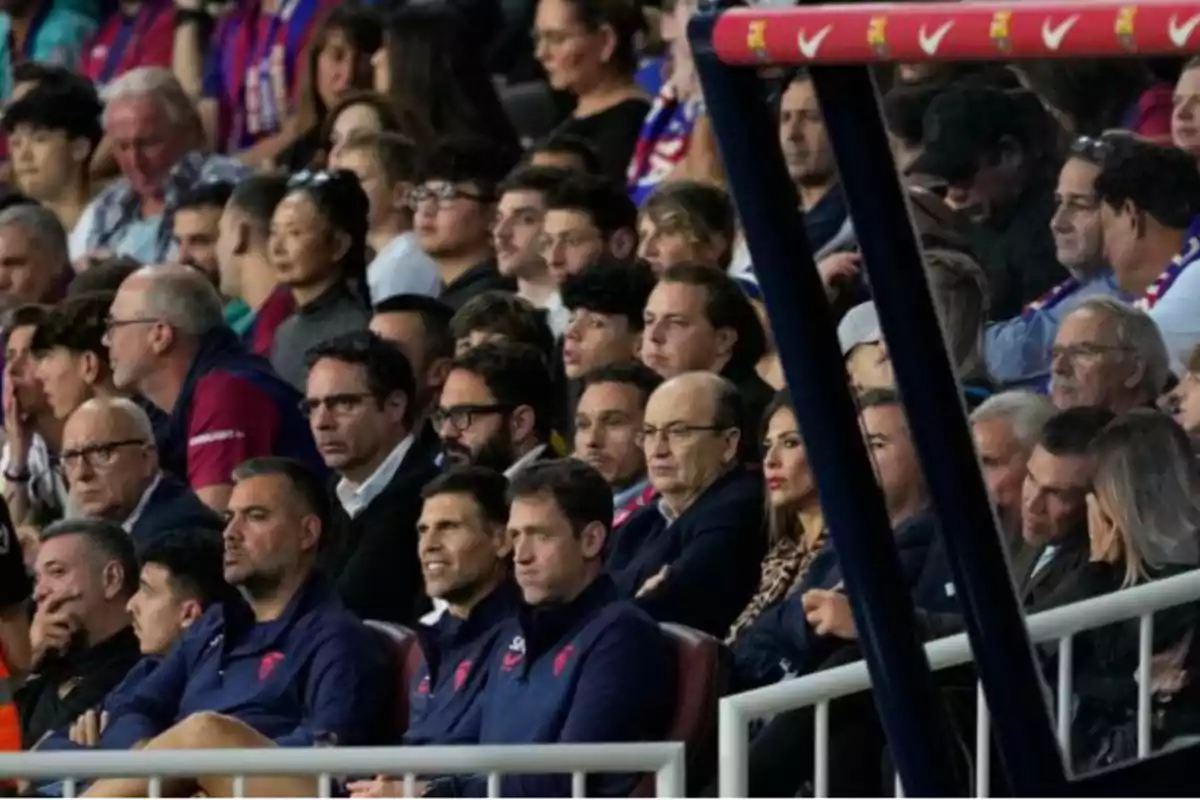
(289, 664)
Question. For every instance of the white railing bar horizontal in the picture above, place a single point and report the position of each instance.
(649, 757)
(954, 650)
(736, 711)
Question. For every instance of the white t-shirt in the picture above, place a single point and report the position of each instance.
(403, 268)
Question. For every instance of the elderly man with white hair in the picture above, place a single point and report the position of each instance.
(167, 340)
(158, 143)
(1006, 427)
(111, 463)
(1110, 355)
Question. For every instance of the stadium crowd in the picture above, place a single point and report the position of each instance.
(437, 315)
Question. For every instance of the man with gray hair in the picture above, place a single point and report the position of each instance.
(111, 463)
(1006, 426)
(167, 340)
(1107, 354)
(34, 265)
(158, 142)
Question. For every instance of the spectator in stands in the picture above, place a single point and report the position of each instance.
(1018, 349)
(465, 554)
(454, 203)
(796, 530)
(159, 147)
(564, 151)
(1149, 215)
(196, 227)
(432, 69)
(588, 49)
(608, 432)
(322, 674)
(136, 34)
(52, 134)
(34, 264)
(981, 142)
(180, 578)
(41, 30)
(598, 670)
(420, 327)
(386, 167)
(1183, 401)
(1107, 354)
(33, 489)
(1006, 427)
(586, 218)
(516, 235)
(494, 410)
(318, 247)
(102, 275)
(1185, 128)
(797, 635)
(246, 102)
(698, 319)
(686, 222)
(110, 463)
(691, 558)
(70, 359)
(28, 75)
(1143, 514)
(499, 317)
(258, 304)
(606, 301)
(358, 113)
(82, 642)
(358, 406)
(336, 61)
(167, 340)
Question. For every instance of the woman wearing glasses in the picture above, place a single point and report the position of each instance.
(318, 247)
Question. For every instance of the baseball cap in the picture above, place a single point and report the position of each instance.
(859, 326)
(963, 123)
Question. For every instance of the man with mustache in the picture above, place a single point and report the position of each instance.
(360, 403)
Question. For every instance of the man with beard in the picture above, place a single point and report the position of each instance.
(289, 664)
(196, 227)
(495, 409)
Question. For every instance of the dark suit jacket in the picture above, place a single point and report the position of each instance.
(172, 506)
(372, 558)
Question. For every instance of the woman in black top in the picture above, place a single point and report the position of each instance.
(587, 49)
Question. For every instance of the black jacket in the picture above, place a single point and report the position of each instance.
(172, 506)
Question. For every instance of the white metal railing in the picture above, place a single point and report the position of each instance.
(664, 759)
(1061, 624)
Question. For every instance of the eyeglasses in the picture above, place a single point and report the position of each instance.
(445, 194)
(1083, 350)
(678, 432)
(110, 323)
(461, 417)
(337, 404)
(96, 456)
(308, 178)
(1097, 149)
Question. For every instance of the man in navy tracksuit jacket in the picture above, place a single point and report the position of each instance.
(781, 643)
(577, 664)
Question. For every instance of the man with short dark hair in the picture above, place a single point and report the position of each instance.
(1150, 216)
(690, 558)
(495, 408)
(497, 316)
(517, 232)
(52, 133)
(289, 664)
(453, 205)
(586, 217)
(698, 319)
(420, 327)
(577, 664)
(606, 301)
(195, 227)
(608, 432)
(82, 643)
(358, 404)
(258, 303)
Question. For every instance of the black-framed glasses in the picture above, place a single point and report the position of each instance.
(462, 417)
(444, 194)
(678, 432)
(97, 456)
(110, 323)
(339, 404)
(1081, 350)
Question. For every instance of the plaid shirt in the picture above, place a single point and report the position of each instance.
(117, 206)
